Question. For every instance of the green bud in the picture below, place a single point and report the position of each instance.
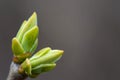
(25, 43)
(26, 40)
(43, 61)
(32, 21)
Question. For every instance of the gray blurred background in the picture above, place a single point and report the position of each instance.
(87, 30)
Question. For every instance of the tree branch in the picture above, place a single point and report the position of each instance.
(14, 74)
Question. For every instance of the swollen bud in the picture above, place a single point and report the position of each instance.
(43, 61)
(26, 40)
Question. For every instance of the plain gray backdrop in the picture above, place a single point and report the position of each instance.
(87, 30)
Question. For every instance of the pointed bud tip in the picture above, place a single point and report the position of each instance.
(36, 26)
(54, 64)
(34, 14)
(32, 17)
(61, 51)
(14, 40)
(48, 48)
(24, 21)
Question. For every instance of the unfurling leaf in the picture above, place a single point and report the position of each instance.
(17, 47)
(50, 57)
(40, 53)
(34, 46)
(29, 38)
(32, 21)
(43, 68)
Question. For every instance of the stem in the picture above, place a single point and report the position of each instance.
(14, 74)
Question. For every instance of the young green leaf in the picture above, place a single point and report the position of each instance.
(21, 28)
(29, 38)
(50, 57)
(26, 67)
(34, 46)
(17, 47)
(43, 68)
(32, 21)
(40, 53)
